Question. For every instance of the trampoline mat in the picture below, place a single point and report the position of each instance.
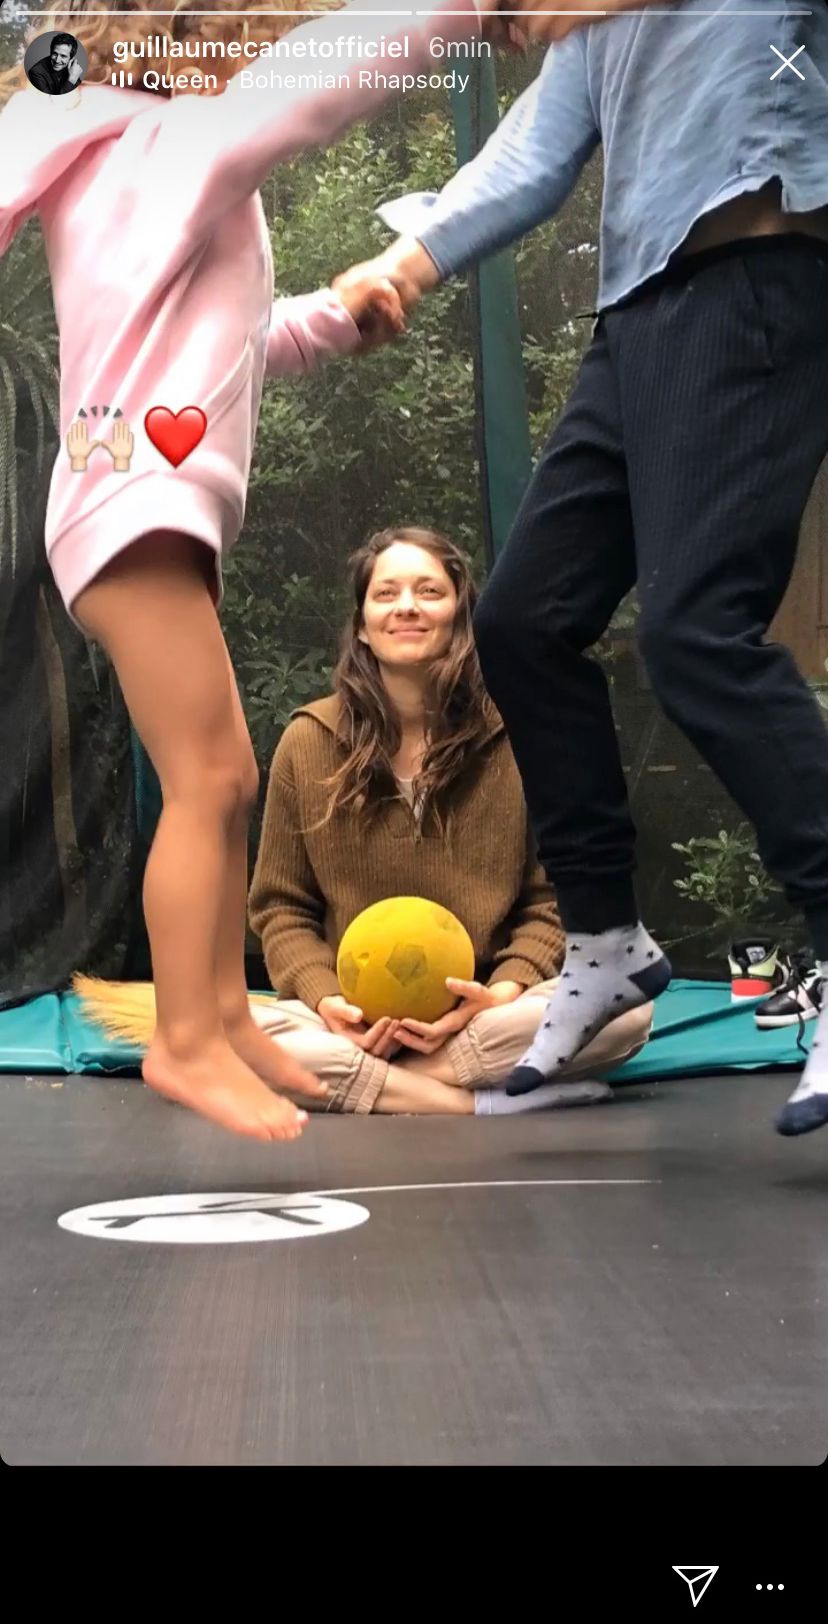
(643, 1282)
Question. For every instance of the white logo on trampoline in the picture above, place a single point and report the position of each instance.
(214, 1220)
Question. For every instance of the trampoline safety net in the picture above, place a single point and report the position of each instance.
(440, 430)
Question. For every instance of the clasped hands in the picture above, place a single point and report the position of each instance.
(387, 1037)
(381, 292)
(80, 447)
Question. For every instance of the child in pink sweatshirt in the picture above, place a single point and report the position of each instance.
(162, 279)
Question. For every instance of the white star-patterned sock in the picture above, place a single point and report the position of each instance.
(603, 975)
(551, 1097)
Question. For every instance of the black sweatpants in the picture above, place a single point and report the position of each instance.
(683, 462)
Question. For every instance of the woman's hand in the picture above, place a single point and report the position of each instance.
(381, 1039)
(339, 1016)
(429, 1036)
(347, 1021)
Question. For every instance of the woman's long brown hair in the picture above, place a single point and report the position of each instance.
(459, 711)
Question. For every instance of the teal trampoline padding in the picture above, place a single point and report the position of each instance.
(93, 1052)
(32, 1038)
(696, 1031)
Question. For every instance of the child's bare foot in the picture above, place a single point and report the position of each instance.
(214, 1081)
(270, 1062)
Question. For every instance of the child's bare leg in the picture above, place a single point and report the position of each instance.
(271, 1062)
(151, 610)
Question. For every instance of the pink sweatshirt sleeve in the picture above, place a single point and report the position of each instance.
(307, 330)
(198, 156)
(38, 150)
(224, 147)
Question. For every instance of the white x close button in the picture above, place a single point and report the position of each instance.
(787, 62)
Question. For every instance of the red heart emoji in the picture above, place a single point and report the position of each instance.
(175, 434)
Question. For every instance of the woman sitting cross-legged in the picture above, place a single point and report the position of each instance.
(403, 784)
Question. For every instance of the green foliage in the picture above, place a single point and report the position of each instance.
(724, 875)
(28, 381)
(358, 445)
(13, 29)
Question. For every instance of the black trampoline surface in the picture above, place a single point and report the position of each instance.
(644, 1282)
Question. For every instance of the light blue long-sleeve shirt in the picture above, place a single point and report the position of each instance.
(689, 116)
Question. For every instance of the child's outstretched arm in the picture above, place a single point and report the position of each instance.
(224, 147)
(317, 326)
(306, 330)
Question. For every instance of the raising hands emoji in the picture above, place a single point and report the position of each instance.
(120, 446)
(79, 446)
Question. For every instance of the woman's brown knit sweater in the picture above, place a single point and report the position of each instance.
(307, 887)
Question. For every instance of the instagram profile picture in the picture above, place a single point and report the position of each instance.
(55, 63)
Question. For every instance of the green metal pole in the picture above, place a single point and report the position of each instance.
(504, 439)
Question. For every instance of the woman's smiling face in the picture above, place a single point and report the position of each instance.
(410, 607)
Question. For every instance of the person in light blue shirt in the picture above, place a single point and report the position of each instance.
(682, 462)
(689, 119)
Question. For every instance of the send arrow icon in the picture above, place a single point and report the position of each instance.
(697, 1579)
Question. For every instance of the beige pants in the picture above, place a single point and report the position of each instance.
(482, 1055)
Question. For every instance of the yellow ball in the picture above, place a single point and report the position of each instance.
(395, 956)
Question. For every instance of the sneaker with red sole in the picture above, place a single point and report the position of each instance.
(756, 969)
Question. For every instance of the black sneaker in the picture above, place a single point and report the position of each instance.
(756, 969)
(800, 999)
